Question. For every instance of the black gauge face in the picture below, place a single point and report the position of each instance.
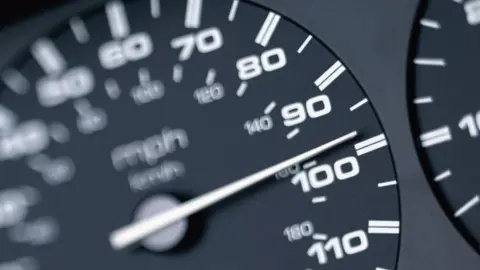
(447, 111)
(137, 107)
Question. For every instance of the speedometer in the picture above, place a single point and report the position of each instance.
(446, 108)
(190, 134)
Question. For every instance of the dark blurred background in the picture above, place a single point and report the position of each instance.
(15, 10)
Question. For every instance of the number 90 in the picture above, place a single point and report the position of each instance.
(298, 113)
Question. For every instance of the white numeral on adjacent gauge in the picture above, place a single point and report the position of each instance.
(472, 9)
(324, 175)
(471, 123)
(205, 41)
(297, 113)
(253, 66)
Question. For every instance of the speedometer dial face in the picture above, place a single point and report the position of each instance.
(447, 110)
(190, 134)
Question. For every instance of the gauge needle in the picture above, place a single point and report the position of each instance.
(137, 231)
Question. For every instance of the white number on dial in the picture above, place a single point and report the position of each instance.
(324, 175)
(253, 66)
(205, 41)
(297, 113)
(471, 122)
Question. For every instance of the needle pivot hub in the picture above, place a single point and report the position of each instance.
(169, 237)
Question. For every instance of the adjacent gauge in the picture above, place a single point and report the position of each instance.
(446, 110)
(190, 134)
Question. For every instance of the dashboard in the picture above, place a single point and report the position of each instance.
(235, 134)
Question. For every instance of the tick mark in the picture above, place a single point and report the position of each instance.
(304, 44)
(371, 145)
(48, 57)
(444, 175)
(292, 134)
(269, 109)
(177, 73)
(359, 104)
(233, 11)
(79, 30)
(242, 89)
(117, 19)
(330, 75)
(59, 133)
(383, 227)
(7, 120)
(436, 62)
(320, 199)
(320, 237)
(212, 73)
(387, 184)
(468, 206)
(435, 137)
(268, 28)
(144, 76)
(423, 100)
(155, 10)
(430, 23)
(310, 164)
(112, 88)
(15, 81)
(193, 15)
